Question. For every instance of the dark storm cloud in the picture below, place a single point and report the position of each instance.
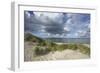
(51, 26)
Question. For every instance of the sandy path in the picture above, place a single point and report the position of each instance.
(64, 55)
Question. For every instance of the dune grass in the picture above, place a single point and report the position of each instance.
(41, 50)
(44, 46)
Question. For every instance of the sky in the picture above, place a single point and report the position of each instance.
(57, 24)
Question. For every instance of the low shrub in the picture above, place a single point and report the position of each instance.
(72, 46)
(41, 50)
(84, 49)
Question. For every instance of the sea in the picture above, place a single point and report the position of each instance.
(70, 40)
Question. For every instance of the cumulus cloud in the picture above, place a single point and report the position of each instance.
(67, 25)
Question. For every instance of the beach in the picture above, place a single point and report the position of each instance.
(67, 54)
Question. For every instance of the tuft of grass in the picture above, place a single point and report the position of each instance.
(72, 46)
(84, 49)
(41, 50)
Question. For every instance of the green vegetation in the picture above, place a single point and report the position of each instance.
(84, 49)
(41, 50)
(32, 38)
(43, 46)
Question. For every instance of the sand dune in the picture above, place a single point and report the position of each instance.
(64, 55)
(56, 55)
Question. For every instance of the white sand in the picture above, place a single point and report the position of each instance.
(64, 55)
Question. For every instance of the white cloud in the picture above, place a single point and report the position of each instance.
(82, 33)
(42, 30)
(45, 14)
(48, 34)
(76, 34)
(66, 29)
(27, 14)
(69, 21)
